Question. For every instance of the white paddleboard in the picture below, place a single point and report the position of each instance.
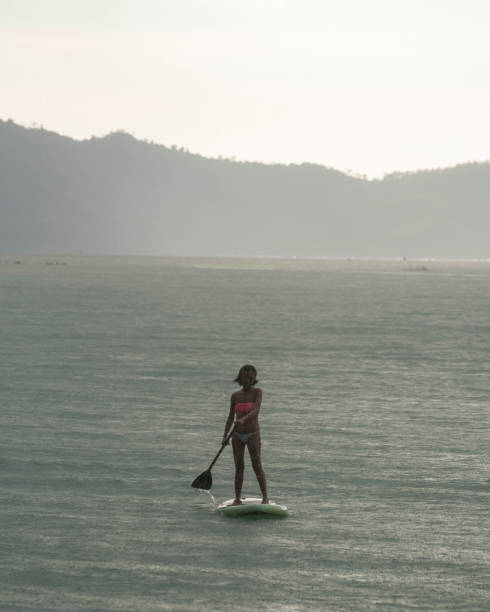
(251, 505)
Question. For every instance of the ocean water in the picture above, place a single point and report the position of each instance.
(116, 376)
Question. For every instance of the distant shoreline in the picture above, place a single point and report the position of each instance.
(419, 264)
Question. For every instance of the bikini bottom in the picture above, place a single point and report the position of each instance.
(244, 437)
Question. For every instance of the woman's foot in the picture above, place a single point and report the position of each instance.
(265, 500)
(237, 502)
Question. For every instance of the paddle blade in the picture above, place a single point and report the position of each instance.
(203, 481)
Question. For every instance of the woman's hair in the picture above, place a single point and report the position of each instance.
(246, 368)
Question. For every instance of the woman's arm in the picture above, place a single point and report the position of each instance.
(229, 420)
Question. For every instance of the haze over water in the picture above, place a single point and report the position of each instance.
(116, 376)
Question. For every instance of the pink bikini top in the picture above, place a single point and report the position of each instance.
(242, 408)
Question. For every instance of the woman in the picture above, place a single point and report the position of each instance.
(244, 407)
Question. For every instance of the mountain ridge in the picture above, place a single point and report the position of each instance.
(120, 195)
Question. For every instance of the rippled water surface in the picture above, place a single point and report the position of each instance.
(116, 376)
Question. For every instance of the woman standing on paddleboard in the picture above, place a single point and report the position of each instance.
(244, 410)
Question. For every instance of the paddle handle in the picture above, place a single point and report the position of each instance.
(222, 447)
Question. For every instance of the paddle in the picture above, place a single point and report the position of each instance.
(205, 480)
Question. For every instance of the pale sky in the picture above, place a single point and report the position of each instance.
(370, 86)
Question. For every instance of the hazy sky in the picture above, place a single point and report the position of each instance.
(367, 85)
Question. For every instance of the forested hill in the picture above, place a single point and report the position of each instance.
(120, 195)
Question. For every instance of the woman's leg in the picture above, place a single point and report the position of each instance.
(254, 450)
(238, 452)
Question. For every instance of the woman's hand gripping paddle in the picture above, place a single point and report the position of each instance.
(205, 480)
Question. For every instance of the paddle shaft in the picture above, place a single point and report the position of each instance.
(221, 449)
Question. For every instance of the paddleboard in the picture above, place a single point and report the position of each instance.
(252, 505)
